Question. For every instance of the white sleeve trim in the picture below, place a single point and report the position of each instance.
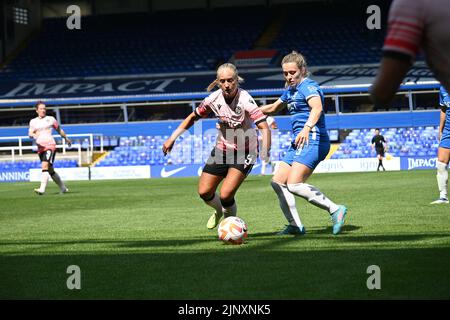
(312, 95)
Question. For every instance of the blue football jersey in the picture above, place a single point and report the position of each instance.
(444, 101)
(296, 99)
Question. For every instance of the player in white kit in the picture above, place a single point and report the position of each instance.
(41, 130)
(236, 148)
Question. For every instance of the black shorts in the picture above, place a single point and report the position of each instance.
(48, 155)
(219, 162)
(380, 151)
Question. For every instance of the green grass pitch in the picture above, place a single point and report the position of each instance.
(147, 239)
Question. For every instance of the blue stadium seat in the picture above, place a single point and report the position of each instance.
(402, 142)
(25, 165)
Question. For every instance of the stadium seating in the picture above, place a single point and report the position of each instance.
(146, 150)
(420, 141)
(139, 44)
(329, 36)
(25, 165)
(192, 40)
(190, 149)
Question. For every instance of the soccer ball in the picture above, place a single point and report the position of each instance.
(232, 230)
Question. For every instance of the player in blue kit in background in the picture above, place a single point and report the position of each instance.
(444, 146)
(304, 99)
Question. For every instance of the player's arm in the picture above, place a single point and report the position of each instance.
(266, 140)
(442, 121)
(315, 103)
(385, 145)
(406, 24)
(32, 133)
(390, 75)
(200, 112)
(185, 125)
(272, 108)
(63, 135)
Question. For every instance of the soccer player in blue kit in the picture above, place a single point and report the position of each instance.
(304, 99)
(444, 146)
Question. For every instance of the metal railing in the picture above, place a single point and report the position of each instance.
(59, 146)
(20, 147)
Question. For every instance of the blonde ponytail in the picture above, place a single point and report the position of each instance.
(212, 85)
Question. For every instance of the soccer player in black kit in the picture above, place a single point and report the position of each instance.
(380, 144)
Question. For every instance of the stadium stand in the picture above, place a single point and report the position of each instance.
(197, 40)
(338, 41)
(194, 149)
(188, 150)
(113, 44)
(402, 142)
(25, 165)
(105, 47)
(146, 150)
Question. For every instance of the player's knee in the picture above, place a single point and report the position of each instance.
(206, 195)
(292, 186)
(441, 167)
(275, 185)
(227, 195)
(300, 189)
(226, 203)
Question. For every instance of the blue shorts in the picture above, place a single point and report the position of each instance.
(310, 155)
(445, 140)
